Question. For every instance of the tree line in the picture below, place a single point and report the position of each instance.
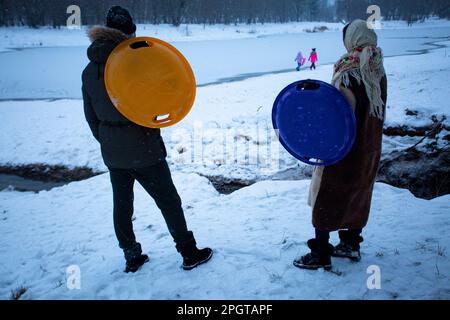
(408, 10)
(36, 13)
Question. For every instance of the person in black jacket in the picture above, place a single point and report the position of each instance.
(131, 152)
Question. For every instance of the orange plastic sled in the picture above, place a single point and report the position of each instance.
(150, 82)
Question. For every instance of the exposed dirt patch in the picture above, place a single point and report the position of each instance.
(424, 167)
(424, 173)
(227, 186)
(431, 130)
(38, 177)
(48, 173)
(405, 131)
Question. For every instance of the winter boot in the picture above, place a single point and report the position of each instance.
(192, 256)
(319, 257)
(349, 245)
(134, 257)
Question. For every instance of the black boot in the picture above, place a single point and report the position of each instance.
(320, 256)
(349, 245)
(192, 256)
(134, 257)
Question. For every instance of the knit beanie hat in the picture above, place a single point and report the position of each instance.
(119, 18)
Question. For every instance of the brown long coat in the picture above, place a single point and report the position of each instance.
(341, 195)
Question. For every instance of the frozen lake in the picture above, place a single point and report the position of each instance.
(54, 73)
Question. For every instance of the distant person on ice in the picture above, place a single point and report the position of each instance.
(131, 152)
(300, 60)
(341, 194)
(313, 58)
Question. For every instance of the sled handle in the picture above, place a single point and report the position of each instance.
(165, 118)
(140, 44)
(308, 85)
(313, 161)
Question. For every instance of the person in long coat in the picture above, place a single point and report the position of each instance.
(340, 195)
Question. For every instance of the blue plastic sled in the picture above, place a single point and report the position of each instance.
(315, 122)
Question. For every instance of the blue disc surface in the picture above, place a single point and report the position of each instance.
(315, 122)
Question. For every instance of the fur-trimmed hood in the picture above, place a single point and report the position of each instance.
(104, 40)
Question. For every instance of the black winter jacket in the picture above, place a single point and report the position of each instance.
(124, 145)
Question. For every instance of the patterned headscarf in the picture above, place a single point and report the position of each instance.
(364, 62)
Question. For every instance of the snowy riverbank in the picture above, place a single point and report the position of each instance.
(55, 132)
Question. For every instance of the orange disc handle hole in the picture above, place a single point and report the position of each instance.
(162, 119)
(140, 44)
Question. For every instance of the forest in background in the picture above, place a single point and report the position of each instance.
(36, 13)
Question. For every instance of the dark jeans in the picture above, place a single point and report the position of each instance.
(313, 66)
(157, 181)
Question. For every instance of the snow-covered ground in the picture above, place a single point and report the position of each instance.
(256, 233)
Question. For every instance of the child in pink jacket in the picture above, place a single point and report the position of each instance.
(313, 58)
